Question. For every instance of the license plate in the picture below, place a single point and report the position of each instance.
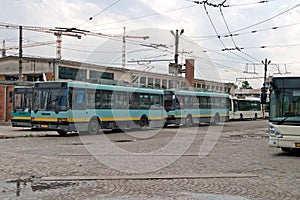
(44, 126)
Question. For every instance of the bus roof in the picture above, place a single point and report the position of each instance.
(197, 93)
(246, 98)
(88, 85)
(286, 76)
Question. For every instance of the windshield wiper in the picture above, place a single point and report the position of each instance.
(283, 120)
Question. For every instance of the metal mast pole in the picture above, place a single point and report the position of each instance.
(20, 53)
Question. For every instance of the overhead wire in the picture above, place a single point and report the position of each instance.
(266, 20)
(219, 38)
(144, 16)
(91, 18)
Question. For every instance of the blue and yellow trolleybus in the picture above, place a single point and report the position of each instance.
(71, 106)
(188, 107)
(22, 102)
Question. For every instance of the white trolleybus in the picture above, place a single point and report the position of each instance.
(284, 116)
(245, 108)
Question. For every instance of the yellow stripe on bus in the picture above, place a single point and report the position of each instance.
(203, 115)
(18, 117)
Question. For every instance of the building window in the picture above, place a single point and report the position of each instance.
(157, 83)
(208, 87)
(143, 81)
(217, 88)
(212, 87)
(150, 82)
(182, 84)
(101, 75)
(164, 84)
(71, 73)
(134, 79)
(171, 84)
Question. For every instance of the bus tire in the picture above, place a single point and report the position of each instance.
(216, 119)
(255, 116)
(241, 116)
(287, 149)
(62, 132)
(94, 126)
(144, 122)
(189, 121)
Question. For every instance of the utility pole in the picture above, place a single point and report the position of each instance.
(124, 45)
(266, 63)
(264, 89)
(3, 49)
(20, 53)
(58, 35)
(176, 35)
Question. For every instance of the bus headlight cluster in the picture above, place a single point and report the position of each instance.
(274, 132)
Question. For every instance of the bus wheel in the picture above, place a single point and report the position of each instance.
(189, 121)
(241, 116)
(62, 132)
(216, 119)
(144, 122)
(255, 116)
(94, 126)
(286, 149)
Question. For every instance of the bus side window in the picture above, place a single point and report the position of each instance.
(235, 106)
(98, 99)
(80, 99)
(107, 99)
(121, 100)
(144, 101)
(134, 101)
(91, 98)
(70, 97)
(155, 101)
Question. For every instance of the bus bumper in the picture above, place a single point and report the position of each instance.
(20, 123)
(285, 141)
(50, 126)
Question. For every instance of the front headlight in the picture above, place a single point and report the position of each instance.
(274, 132)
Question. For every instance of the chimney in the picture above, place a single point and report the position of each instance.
(189, 72)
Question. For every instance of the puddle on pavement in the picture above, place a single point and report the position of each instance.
(19, 188)
(125, 140)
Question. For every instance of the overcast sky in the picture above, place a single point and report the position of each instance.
(259, 29)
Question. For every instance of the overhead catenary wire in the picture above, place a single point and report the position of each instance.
(98, 13)
(223, 44)
(266, 20)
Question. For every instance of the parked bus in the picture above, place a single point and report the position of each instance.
(69, 106)
(22, 102)
(189, 107)
(245, 108)
(284, 116)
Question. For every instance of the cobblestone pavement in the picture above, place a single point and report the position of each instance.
(43, 165)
